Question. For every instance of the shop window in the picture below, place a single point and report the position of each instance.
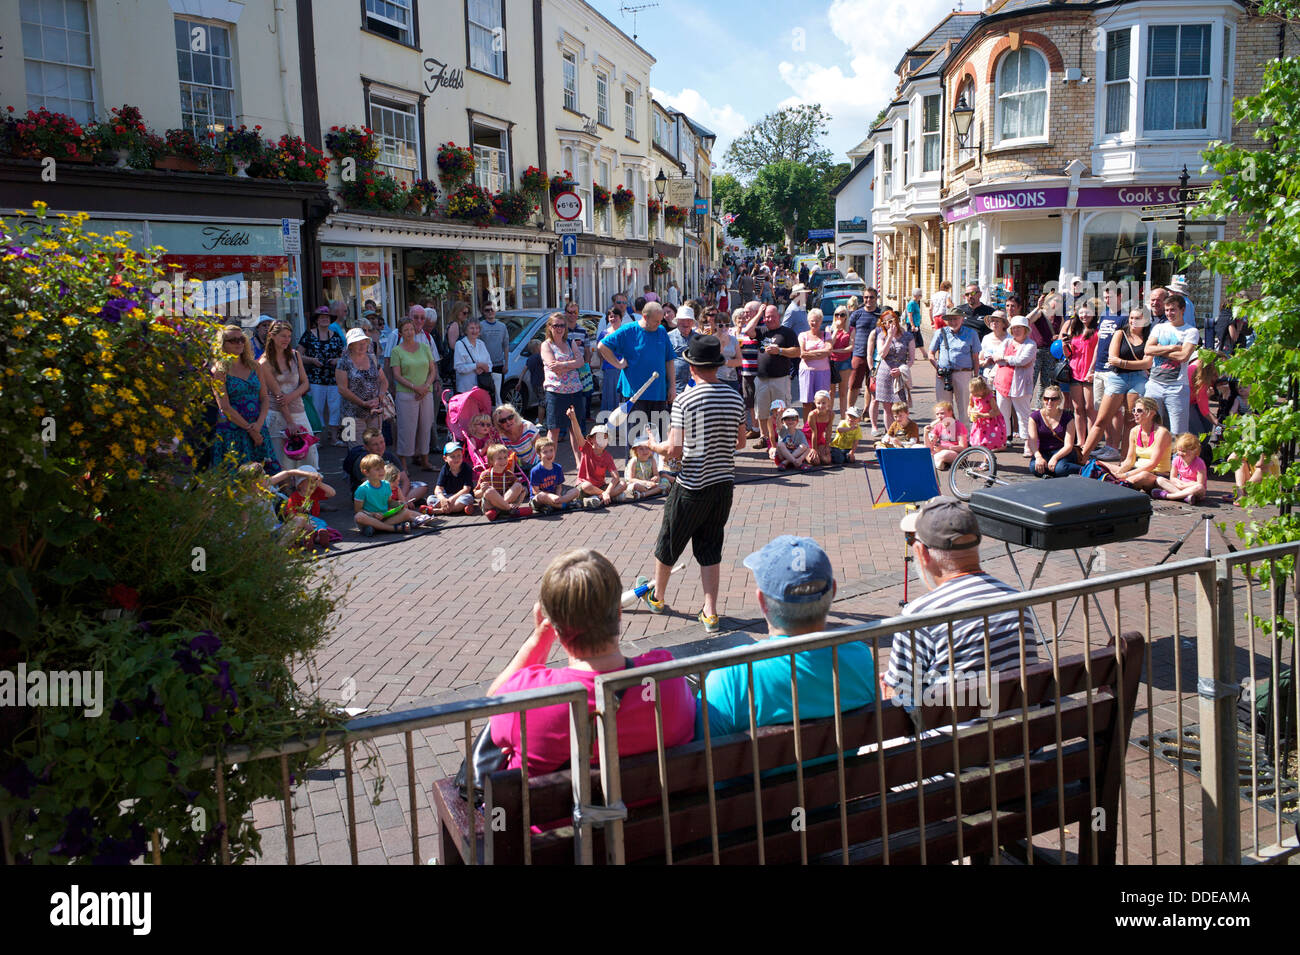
(602, 98)
(397, 129)
(203, 61)
(491, 158)
(1022, 95)
(930, 138)
(57, 57)
(1178, 77)
(1117, 81)
(531, 290)
(487, 47)
(392, 18)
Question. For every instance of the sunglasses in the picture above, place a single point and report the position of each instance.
(506, 420)
(1051, 397)
(235, 341)
(558, 325)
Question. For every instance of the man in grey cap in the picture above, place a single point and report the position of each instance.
(795, 587)
(946, 549)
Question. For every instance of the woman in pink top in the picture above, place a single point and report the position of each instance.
(580, 603)
(1079, 340)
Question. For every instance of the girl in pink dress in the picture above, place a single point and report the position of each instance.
(945, 436)
(988, 429)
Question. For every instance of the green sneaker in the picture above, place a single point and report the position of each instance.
(653, 602)
(711, 624)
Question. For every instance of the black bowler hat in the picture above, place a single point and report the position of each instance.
(704, 352)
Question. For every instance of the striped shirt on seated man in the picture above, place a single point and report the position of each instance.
(947, 551)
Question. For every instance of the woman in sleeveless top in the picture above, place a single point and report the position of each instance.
(286, 381)
(361, 381)
(561, 379)
(1126, 381)
(241, 432)
(1149, 446)
(896, 353)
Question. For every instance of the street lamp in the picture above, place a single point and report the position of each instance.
(962, 116)
(661, 184)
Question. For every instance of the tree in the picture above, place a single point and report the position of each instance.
(820, 214)
(788, 190)
(754, 223)
(792, 134)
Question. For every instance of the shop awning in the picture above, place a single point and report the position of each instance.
(350, 228)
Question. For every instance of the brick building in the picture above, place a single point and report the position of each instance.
(1081, 113)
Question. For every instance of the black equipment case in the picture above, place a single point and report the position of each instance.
(1062, 513)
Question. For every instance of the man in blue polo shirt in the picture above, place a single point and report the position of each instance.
(953, 351)
(795, 588)
(638, 349)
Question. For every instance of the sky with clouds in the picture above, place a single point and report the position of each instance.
(727, 63)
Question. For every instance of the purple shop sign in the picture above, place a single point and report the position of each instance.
(1098, 197)
(1008, 200)
(1119, 196)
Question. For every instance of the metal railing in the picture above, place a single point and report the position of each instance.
(1184, 722)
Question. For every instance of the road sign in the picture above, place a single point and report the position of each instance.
(568, 245)
(821, 233)
(568, 205)
(568, 227)
(290, 237)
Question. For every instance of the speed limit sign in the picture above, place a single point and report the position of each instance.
(568, 205)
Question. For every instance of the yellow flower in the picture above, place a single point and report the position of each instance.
(51, 374)
(140, 445)
(76, 427)
(133, 474)
(20, 331)
(116, 449)
(118, 421)
(53, 337)
(165, 411)
(70, 321)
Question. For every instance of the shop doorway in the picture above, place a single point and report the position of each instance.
(1026, 274)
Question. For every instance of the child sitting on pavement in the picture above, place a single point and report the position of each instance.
(817, 429)
(501, 487)
(792, 449)
(902, 429)
(547, 478)
(642, 474)
(847, 435)
(479, 436)
(309, 491)
(454, 490)
(1188, 479)
(372, 502)
(945, 436)
(597, 473)
(296, 528)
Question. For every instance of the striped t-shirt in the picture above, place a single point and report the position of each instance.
(967, 635)
(709, 416)
(749, 357)
(522, 446)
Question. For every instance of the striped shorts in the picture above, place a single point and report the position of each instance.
(696, 518)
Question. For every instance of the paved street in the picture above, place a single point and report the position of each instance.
(434, 618)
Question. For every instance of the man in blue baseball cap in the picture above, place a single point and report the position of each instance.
(795, 588)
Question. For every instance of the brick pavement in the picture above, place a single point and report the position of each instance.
(433, 618)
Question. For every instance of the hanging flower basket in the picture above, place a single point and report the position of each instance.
(513, 208)
(624, 199)
(424, 196)
(296, 160)
(654, 205)
(353, 142)
(560, 183)
(455, 165)
(674, 216)
(471, 203)
(375, 190)
(533, 183)
(599, 196)
(660, 266)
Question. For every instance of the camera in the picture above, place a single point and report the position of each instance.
(945, 375)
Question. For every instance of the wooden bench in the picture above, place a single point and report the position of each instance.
(1065, 783)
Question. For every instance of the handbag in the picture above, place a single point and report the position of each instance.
(483, 379)
(313, 416)
(387, 409)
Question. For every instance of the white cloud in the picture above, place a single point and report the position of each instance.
(874, 33)
(724, 120)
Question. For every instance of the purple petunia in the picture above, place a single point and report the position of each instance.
(121, 712)
(206, 643)
(76, 837)
(188, 662)
(123, 851)
(222, 682)
(115, 308)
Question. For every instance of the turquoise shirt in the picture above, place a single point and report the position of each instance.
(374, 500)
(728, 689)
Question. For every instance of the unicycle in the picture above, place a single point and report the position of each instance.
(974, 469)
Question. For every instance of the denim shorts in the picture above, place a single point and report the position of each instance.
(1126, 383)
(556, 407)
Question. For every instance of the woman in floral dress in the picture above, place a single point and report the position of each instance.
(361, 381)
(242, 436)
(895, 354)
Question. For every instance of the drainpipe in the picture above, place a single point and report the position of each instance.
(284, 60)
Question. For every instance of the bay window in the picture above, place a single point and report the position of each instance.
(1177, 77)
(1118, 84)
(930, 145)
